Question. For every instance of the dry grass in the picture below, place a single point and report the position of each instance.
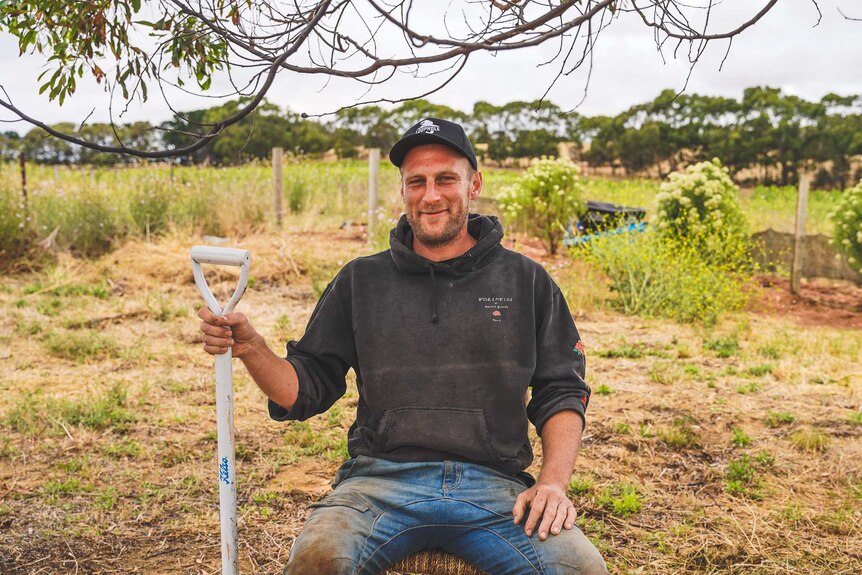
(107, 454)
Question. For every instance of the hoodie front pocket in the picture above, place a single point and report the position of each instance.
(459, 431)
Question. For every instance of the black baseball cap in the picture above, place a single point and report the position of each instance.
(433, 131)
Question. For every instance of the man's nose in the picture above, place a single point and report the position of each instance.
(432, 194)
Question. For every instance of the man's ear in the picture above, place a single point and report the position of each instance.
(476, 185)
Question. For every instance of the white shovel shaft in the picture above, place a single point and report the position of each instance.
(224, 396)
(226, 463)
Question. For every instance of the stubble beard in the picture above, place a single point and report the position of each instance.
(447, 235)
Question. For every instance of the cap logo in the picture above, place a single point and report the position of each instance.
(427, 127)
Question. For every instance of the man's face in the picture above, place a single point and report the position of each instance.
(437, 186)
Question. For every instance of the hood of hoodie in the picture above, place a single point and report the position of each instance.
(487, 230)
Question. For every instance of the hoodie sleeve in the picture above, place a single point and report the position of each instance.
(321, 357)
(558, 382)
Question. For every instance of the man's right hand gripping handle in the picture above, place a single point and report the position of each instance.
(275, 376)
(221, 332)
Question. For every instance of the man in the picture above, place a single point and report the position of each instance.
(445, 331)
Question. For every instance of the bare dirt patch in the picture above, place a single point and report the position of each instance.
(820, 302)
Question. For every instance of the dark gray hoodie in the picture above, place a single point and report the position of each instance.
(443, 352)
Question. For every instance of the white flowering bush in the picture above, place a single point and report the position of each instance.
(699, 201)
(847, 218)
(545, 199)
(699, 208)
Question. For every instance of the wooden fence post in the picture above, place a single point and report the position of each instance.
(277, 165)
(799, 240)
(373, 168)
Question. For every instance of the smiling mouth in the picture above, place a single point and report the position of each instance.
(437, 213)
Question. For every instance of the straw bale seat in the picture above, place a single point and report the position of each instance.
(433, 563)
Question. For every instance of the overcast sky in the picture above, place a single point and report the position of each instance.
(783, 50)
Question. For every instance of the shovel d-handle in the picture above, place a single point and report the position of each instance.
(224, 395)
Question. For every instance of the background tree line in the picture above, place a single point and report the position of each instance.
(766, 136)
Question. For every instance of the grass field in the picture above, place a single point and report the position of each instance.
(93, 211)
(730, 450)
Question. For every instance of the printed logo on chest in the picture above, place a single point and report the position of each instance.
(495, 307)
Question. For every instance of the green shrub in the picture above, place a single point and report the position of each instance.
(759, 370)
(746, 388)
(778, 418)
(723, 346)
(545, 199)
(603, 389)
(297, 196)
(622, 499)
(579, 486)
(657, 276)
(764, 458)
(740, 438)
(741, 478)
(847, 219)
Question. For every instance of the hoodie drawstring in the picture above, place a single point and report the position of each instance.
(433, 295)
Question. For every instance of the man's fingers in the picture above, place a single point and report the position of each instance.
(520, 505)
(232, 319)
(537, 509)
(571, 515)
(549, 518)
(214, 350)
(216, 341)
(560, 518)
(215, 331)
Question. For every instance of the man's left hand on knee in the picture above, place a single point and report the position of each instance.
(549, 510)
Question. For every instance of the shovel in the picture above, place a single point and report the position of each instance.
(224, 395)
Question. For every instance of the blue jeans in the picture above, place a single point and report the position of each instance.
(381, 511)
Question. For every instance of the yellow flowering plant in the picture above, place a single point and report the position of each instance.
(699, 207)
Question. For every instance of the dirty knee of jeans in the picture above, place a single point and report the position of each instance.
(588, 564)
(314, 562)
